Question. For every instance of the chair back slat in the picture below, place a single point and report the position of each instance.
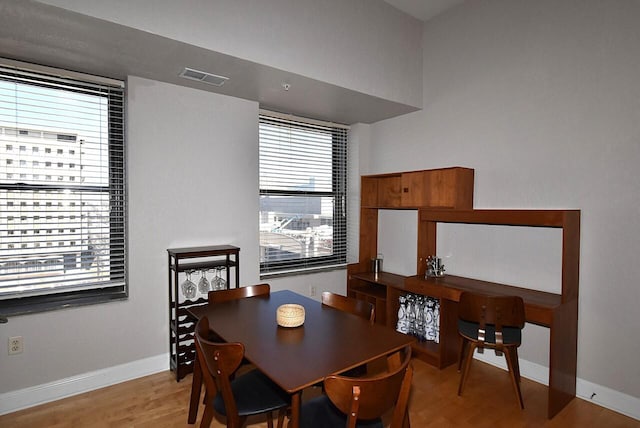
(349, 304)
(501, 311)
(238, 293)
(375, 395)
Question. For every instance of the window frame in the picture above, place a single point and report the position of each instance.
(112, 289)
(339, 173)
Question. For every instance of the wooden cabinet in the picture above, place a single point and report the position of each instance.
(435, 188)
(181, 324)
(446, 188)
(438, 188)
(446, 196)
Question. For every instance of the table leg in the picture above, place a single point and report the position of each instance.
(196, 387)
(296, 399)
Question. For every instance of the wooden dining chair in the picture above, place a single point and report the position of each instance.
(361, 308)
(361, 402)
(235, 397)
(215, 297)
(493, 322)
(353, 306)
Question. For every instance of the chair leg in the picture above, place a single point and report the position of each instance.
(516, 364)
(196, 389)
(463, 347)
(207, 417)
(269, 420)
(467, 364)
(407, 421)
(510, 354)
(281, 415)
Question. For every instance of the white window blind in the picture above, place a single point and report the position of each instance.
(303, 170)
(62, 188)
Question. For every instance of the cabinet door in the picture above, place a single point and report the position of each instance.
(389, 195)
(450, 188)
(438, 188)
(415, 187)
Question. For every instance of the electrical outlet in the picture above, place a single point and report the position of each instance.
(312, 290)
(16, 345)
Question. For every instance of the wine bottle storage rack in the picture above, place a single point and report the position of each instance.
(181, 325)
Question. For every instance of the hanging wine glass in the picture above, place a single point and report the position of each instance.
(222, 283)
(188, 287)
(215, 279)
(203, 284)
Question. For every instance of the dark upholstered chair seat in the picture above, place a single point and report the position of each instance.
(320, 412)
(510, 335)
(254, 394)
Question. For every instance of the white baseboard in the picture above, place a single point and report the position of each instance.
(589, 391)
(40, 394)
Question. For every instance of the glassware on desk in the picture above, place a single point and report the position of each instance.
(403, 321)
(411, 313)
(188, 287)
(420, 318)
(430, 325)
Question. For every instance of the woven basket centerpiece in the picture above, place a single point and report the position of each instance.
(290, 315)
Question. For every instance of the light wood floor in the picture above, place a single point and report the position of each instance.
(159, 401)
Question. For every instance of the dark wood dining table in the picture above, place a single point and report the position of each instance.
(329, 342)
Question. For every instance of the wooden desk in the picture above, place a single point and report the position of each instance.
(541, 308)
(558, 312)
(329, 342)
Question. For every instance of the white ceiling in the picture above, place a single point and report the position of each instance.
(424, 10)
(35, 32)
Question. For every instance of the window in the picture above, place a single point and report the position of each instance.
(302, 194)
(62, 193)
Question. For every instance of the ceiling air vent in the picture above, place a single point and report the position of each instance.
(201, 76)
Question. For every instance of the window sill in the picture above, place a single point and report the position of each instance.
(37, 304)
(307, 271)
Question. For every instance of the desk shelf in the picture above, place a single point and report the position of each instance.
(373, 289)
(386, 289)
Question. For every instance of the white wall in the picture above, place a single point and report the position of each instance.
(363, 45)
(542, 99)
